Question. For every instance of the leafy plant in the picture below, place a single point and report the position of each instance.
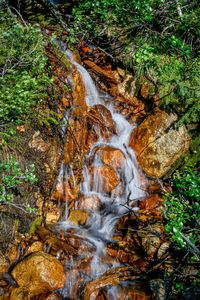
(11, 176)
(182, 211)
(22, 61)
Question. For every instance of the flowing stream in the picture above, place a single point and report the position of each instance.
(100, 224)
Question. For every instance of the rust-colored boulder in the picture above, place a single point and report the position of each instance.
(157, 145)
(104, 179)
(111, 156)
(38, 273)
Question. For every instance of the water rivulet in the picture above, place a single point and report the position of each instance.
(110, 189)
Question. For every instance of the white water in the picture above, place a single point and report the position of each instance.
(100, 225)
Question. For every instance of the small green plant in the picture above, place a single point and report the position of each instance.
(11, 176)
(182, 212)
(34, 224)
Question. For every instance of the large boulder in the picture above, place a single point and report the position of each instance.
(157, 144)
(37, 274)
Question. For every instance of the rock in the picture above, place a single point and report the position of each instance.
(135, 292)
(157, 145)
(164, 247)
(92, 202)
(150, 237)
(55, 244)
(35, 247)
(111, 156)
(104, 179)
(101, 115)
(127, 89)
(78, 217)
(36, 274)
(108, 75)
(151, 202)
(79, 90)
(51, 296)
(111, 277)
(38, 143)
(52, 217)
(65, 192)
(4, 265)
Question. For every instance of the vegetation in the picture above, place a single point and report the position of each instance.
(11, 176)
(23, 78)
(154, 39)
(182, 211)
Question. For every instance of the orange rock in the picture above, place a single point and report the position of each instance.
(151, 202)
(111, 156)
(38, 273)
(101, 115)
(35, 247)
(104, 179)
(78, 216)
(51, 296)
(155, 148)
(91, 202)
(79, 90)
(108, 75)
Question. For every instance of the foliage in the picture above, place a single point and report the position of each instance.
(22, 61)
(11, 176)
(174, 25)
(34, 224)
(182, 211)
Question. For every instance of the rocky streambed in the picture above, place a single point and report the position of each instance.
(102, 235)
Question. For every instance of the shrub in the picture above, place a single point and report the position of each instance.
(11, 176)
(22, 63)
(182, 212)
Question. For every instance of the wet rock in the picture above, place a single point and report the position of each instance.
(153, 201)
(111, 277)
(52, 217)
(35, 247)
(76, 139)
(92, 202)
(102, 116)
(111, 156)
(127, 89)
(78, 216)
(104, 179)
(64, 192)
(150, 238)
(107, 75)
(79, 90)
(53, 243)
(132, 293)
(38, 273)
(157, 145)
(51, 296)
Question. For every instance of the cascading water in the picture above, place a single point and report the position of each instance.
(100, 226)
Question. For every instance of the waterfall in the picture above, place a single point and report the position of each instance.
(100, 225)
